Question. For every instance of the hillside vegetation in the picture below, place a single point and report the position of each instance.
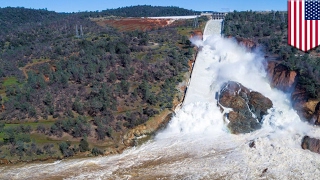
(143, 11)
(269, 31)
(70, 86)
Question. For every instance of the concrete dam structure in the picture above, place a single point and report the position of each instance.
(213, 27)
(198, 78)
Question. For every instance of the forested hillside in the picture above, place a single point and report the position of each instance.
(269, 31)
(68, 85)
(143, 11)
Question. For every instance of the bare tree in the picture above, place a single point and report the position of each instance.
(81, 32)
(77, 31)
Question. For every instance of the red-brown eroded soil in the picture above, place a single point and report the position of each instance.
(131, 24)
(197, 33)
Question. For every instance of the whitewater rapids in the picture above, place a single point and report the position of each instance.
(196, 143)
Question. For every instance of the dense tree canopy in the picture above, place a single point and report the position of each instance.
(87, 85)
(143, 11)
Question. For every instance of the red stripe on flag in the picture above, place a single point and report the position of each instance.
(289, 22)
(311, 34)
(306, 35)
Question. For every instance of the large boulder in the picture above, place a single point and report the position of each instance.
(311, 144)
(248, 107)
(316, 114)
(307, 108)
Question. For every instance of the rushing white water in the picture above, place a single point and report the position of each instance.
(196, 144)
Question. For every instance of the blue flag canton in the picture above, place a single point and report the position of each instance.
(312, 10)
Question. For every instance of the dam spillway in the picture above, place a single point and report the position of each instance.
(198, 89)
(213, 27)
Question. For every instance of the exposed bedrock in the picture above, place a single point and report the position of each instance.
(307, 108)
(247, 43)
(248, 107)
(311, 144)
(284, 79)
(281, 77)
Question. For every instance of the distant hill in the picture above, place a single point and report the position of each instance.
(11, 18)
(148, 11)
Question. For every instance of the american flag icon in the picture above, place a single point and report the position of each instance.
(303, 24)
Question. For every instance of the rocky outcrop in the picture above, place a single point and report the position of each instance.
(281, 77)
(284, 79)
(316, 114)
(247, 43)
(4, 161)
(307, 108)
(248, 107)
(311, 144)
(197, 33)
